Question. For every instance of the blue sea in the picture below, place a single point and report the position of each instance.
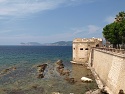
(18, 71)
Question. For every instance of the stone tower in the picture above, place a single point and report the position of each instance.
(82, 47)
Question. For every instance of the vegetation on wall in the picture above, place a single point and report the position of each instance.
(115, 32)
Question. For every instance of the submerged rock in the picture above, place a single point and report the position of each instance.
(34, 86)
(7, 70)
(70, 80)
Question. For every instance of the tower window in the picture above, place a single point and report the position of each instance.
(97, 45)
(86, 49)
(81, 48)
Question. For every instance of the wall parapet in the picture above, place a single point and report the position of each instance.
(112, 51)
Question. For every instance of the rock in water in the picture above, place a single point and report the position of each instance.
(40, 75)
(59, 62)
(41, 69)
(56, 93)
(85, 79)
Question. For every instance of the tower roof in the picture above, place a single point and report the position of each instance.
(87, 40)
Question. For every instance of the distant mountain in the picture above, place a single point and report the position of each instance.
(30, 43)
(62, 43)
(59, 43)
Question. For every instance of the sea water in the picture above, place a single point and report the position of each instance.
(18, 71)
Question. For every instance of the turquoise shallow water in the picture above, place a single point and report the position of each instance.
(18, 70)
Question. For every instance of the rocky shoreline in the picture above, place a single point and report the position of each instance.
(54, 78)
(66, 74)
(59, 68)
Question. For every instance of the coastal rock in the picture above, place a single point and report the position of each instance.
(67, 72)
(40, 69)
(8, 70)
(42, 66)
(59, 62)
(93, 92)
(40, 75)
(56, 93)
(104, 91)
(97, 91)
(60, 67)
(64, 72)
(70, 80)
(5, 70)
(60, 71)
(34, 86)
(13, 68)
(85, 79)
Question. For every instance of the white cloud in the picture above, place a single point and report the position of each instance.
(77, 30)
(18, 7)
(86, 30)
(21, 7)
(93, 28)
(5, 31)
(110, 19)
(2, 1)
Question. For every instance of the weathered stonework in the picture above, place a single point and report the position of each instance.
(110, 68)
(82, 48)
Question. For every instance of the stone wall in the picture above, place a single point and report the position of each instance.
(110, 67)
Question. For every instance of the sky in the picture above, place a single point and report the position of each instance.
(48, 21)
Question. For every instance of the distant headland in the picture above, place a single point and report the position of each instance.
(59, 43)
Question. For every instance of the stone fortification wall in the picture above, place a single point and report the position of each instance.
(110, 67)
